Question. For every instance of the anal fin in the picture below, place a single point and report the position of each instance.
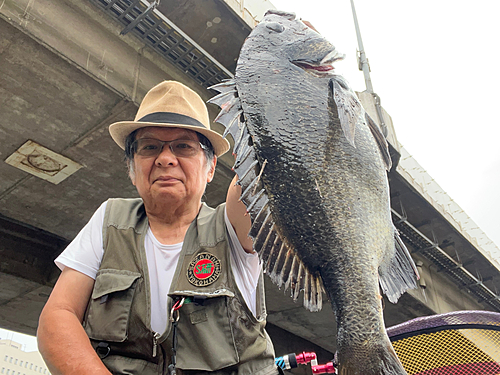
(400, 274)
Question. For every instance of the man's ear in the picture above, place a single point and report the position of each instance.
(131, 171)
(211, 172)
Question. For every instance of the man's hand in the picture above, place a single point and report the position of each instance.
(237, 214)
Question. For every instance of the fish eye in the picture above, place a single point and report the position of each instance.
(275, 26)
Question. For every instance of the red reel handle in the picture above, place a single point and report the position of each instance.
(305, 357)
(327, 368)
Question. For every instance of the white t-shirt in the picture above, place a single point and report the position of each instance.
(85, 252)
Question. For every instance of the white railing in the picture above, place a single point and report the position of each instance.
(418, 177)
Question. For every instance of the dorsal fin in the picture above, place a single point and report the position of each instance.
(279, 258)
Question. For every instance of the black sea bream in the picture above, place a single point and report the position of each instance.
(312, 166)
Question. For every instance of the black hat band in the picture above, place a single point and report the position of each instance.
(171, 118)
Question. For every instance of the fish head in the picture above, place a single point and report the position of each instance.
(281, 41)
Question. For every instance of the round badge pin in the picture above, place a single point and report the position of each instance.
(204, 269)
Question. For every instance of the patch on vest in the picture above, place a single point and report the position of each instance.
(203, 270)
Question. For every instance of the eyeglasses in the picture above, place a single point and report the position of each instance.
(151, 147)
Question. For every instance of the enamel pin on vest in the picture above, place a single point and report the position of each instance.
(204, 269)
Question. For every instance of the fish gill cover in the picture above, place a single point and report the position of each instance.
(312, 166)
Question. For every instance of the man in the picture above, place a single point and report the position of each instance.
(162, 283)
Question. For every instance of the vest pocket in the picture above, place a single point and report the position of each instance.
(109, 308)
(205, 337)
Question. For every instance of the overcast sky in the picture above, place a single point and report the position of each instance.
(435, 66)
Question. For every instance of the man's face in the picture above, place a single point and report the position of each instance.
(167, 178)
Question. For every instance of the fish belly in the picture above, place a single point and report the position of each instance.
(332, 205)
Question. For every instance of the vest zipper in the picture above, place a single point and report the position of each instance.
(156, 336)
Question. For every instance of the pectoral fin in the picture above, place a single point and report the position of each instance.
(349, 109)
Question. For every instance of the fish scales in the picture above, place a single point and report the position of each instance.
(321, 174)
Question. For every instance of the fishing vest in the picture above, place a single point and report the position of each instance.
(216, 332)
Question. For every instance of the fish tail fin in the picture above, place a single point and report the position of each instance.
(400, 274)
(375, 361)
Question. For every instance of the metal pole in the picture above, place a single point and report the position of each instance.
(365, 67)
(362, 60)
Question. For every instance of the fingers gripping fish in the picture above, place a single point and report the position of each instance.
(312, 167)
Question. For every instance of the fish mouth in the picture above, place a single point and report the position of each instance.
(324, 66)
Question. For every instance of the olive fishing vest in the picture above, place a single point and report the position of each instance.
(216, 332)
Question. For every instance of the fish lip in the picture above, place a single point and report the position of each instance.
(324, 66)
(318, 68)
(332, 57)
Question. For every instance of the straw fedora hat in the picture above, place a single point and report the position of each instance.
(171, 104)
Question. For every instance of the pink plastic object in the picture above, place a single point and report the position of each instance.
(324, 369)
(305, 357)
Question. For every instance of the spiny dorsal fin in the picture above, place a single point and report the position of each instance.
(280, 260)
